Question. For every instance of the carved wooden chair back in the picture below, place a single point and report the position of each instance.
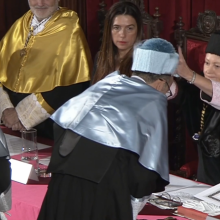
(194, 40)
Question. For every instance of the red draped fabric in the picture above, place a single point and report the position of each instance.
(170, 11)
(196, 54)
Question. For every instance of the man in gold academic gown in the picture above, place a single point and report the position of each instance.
(44, 61)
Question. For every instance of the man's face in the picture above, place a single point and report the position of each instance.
(43, 8)
(166, 86)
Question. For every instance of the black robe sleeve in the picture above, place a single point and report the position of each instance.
(56, 97)
(5, 174)
(188, 100)
(59, 95)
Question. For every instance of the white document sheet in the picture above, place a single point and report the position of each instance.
(15, 144)
(45, 161)
(179, 184)
(211, 195)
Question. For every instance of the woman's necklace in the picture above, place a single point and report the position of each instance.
(196, 135)
(23, 51)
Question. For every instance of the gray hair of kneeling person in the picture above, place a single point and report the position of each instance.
(151, 77)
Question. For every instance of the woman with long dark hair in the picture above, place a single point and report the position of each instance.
(122, 29)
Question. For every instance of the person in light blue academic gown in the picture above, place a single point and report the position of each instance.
(111, 147)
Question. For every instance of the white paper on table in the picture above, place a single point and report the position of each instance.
(22, 171)
(192, 190)
(181, 184)
(211, 195)
(15, 145)
(45, 161)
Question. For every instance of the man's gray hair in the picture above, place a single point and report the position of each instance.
(151, 77)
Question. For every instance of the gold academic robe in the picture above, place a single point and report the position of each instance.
(58, 56)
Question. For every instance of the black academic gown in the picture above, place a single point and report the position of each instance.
(209, 148)
(91, 181)
(209, 141)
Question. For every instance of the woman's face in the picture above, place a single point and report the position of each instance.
(211, 67)
(124, 32)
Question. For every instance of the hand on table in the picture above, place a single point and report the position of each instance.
(10, 117)
(18, 127)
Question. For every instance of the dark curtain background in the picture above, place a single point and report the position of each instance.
(170, 11)
(10, 11)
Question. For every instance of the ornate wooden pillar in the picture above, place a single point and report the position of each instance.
(80, 8)
(101, 18)
(156, 24)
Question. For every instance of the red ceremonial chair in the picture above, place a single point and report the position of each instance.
(193, 43)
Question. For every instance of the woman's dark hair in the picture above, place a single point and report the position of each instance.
(106, 57)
